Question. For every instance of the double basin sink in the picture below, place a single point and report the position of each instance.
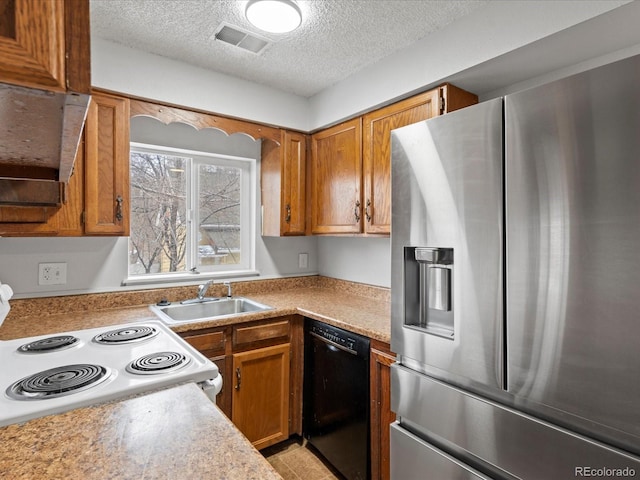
(206, 309)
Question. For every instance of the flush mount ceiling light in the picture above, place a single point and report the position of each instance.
(274, 16)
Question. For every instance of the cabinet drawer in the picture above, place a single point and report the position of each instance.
(207, 341)
(258, 333)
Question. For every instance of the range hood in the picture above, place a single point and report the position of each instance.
(39, 137)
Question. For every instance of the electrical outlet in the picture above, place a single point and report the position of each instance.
(303, 260)
(52, 273)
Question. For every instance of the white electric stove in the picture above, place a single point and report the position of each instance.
(55, 373)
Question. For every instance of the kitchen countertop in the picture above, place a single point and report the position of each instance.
(342, 305)
(175, 432)
(168, 434)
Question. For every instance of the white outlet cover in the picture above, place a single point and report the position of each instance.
(52, 273)
(303, 260)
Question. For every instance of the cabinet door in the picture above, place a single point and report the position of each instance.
(294, 167)
(336, 179)
(381, 414)
(32, 43)
(261, 394)
(377, 128)
(283, 185)
(107, 166)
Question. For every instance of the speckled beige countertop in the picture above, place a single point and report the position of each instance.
(357, 307)
(170, 434)
(173, 433)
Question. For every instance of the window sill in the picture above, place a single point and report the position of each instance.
(187, 277)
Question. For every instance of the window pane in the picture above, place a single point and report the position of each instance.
(158, 213)
(219, 215)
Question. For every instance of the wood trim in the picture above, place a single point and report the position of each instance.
(296, 376)
(455, 98)
(381, 359)
(78, 45)
(168, 114)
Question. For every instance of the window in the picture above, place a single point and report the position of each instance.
(190, 212)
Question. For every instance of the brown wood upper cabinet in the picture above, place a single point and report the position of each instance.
(97, 196)
(283, 177)
(336, 179)
(45, 44)
(352, 187)
(107, 166)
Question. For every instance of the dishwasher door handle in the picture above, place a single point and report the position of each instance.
(337, 345)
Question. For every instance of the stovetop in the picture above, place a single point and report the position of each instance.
(50, 374)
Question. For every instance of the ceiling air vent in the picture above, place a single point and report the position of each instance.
(241, 39)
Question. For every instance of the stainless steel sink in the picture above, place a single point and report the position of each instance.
(213, 309)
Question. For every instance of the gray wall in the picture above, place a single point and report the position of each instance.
(100, 264)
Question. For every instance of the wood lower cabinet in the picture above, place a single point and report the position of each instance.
(261, 367)
(381, 359)
(261, 394)
(213, 344)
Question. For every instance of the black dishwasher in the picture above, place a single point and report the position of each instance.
(336, 397)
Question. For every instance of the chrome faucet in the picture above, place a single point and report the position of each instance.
(228, 285)
(202, 289)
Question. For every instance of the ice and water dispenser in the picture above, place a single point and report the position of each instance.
(428, 291)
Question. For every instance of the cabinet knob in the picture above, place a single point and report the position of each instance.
(356, 211)
(287, 218)
(119, 201)
(366, 211)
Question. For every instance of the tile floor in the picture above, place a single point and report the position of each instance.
(293, 461)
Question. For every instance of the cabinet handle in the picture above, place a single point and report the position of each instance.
(356, 211)
(119, 201)
(238, 378)
(366, 211)
(287, 218)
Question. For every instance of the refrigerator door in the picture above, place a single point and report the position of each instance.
(573, 267)
(499, 441)
(446, 273)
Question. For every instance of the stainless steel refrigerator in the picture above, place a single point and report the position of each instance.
(516, 285)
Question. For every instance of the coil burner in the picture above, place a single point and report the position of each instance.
(50, 344)
(129, 334)
(156, 363)
(58, 382)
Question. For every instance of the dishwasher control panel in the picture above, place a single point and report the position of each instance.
(348, 340)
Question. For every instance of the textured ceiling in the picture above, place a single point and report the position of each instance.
(336, 39)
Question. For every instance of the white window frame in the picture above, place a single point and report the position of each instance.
(248, 214)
